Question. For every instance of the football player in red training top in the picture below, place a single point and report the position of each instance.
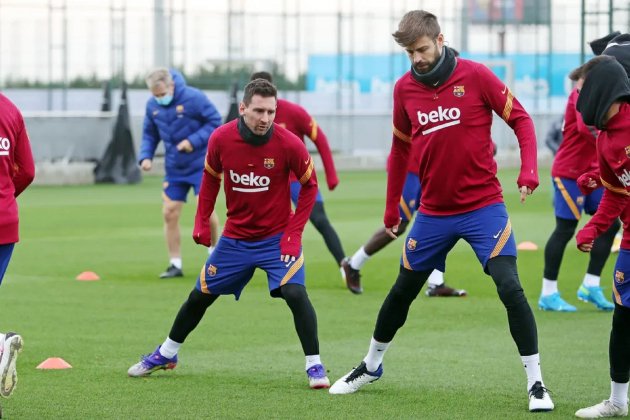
(576, 155)
(295, 119)
(603, 102)
(17, 171)
(409, 203)
(255, 157)
(446, 103)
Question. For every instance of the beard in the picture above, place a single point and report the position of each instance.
(427, 66)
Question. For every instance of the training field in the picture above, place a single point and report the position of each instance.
(454, 358)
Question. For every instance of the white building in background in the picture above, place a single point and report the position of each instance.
(56, 40)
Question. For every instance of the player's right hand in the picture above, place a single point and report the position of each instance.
(146, 164)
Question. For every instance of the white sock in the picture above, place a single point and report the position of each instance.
(549, 287)
(532, 369)
(358, 259)
(374, 358)
(169, 348)
(1, 343)
(312, 361)
(436, 278)
(177, 262)
(210, 250)
(590, 280)
(619, 393)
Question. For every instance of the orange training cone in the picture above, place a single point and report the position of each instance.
(88, 276)
(54, 363)
(527, 246)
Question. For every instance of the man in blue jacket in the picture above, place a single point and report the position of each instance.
(182, 118)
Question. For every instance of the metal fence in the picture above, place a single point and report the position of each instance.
(55, 42)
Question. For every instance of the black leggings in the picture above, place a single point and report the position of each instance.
(560, 237)
(395, 309)
(619, 347)
(193, 310)
(319, 219)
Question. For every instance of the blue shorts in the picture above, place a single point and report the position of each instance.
(178, 190)
(569, 202)
(488, 230)
(295, 192)
(621, 279)
(5, 256)
(232, 263)
(410, 199)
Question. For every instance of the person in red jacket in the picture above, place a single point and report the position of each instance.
(576, 155)
(297, 120)
(255, 157)
(604, 101)
(446, 104)
(17, 171)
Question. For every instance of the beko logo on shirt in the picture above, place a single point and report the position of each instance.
(447, 116)
(250, 182)
(5, 145)
(625, 178)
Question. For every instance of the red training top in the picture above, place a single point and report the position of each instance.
(613, 152)
(17, 168)
(452, 123)
(577, 153)
(298, 121)
(257, 188)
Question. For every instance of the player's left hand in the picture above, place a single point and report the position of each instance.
(525, 191)
(185, 146)
(392, 232)
(290, 246)
(585, 238)
(288, 259)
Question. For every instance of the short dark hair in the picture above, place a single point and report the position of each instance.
(262, 75)
(260, 87)
(583, 70)
(414, 25)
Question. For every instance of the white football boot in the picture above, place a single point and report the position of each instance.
(539, 399)
(355, 379)
(604, 409)
(13, 344)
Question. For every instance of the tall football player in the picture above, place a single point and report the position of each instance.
(446, 103)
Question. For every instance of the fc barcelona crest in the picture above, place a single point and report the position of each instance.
(411, 244)
(179, 109)
(619, 277)
(212, 270)
(627, 149)
(269, 163)
(459, 91)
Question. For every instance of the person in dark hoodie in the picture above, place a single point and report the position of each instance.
(183, 118)
(604, 102)
(576, 155)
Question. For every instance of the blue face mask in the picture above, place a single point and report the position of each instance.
(164, 100)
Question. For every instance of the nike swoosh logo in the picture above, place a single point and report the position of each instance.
(307, 161)
(497, 235)
(504, 90)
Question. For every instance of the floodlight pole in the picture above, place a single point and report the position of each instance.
(160, 39)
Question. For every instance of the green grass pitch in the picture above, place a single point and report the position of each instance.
(454, 358)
